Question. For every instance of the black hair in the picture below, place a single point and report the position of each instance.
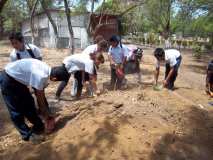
(17, 36)
(98, 38)
(60, 73)
(159, 53)
(100, 58)
(210, 66)
(117, 39)
(103, 45)
(114, 38)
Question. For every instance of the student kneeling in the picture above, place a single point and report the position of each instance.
(16, 78)
(82, 66)
(172, 59)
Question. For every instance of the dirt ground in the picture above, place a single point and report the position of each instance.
(137, 123)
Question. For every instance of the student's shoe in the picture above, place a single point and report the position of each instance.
(36, 139)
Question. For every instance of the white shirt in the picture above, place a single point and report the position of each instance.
(118, 53)
(25, 54)
(92, 49)
(30, 72)
(79, 62)
(171, 56)
(131, 49)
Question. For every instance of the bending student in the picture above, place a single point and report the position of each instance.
(172, 59)
(16, 78)
(79, 64)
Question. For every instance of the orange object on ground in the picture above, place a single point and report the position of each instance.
(120, 72)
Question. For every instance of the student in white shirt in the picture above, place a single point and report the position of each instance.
(172, 59)
(99, 46)
(117, 56)
(92, 50)
(15, 79)
(22, 50)
(79, 64)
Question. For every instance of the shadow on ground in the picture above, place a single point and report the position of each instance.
(201, 69)
(94, 146)
(195, 141)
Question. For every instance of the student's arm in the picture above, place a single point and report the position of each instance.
(111, 60)
(171, 72)
(157, 71)
(156, 75)
(13, 56)
(210, 91)
(37, 52)
(93, 80)
(172, 63)
(42, 103)
(124, 60)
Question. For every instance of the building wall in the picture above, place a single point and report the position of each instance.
(45, 36)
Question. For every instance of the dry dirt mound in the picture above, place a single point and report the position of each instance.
(136, 124)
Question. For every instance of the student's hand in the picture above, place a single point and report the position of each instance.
(49, 124)
(165, 83)
(98, 92)
(155, 83)
(211, 94)
(112, 64)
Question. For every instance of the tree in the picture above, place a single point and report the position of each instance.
(67, 10)
(2, 3)
(45, 9)
(32, 21)
(159, 14)
(13, 13)
(90, 16)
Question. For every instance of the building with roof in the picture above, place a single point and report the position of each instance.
(105, 25)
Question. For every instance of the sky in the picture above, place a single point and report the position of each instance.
(75, 2)
(95, 7)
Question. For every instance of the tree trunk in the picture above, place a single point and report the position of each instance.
(45, 8)
(1, 27)
(29, 5)
(32, 21)
(2, 3)
(67, 10)
(101, 13)
(89, 31)
(167, 27)
(140, 3)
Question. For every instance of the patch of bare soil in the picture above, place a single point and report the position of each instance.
(137, 123)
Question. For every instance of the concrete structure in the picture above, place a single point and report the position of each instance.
(44, 34)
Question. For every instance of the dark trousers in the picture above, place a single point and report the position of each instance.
(63, 84)
(20, 105)
(175, 73)
(209, 81)
(61, 87)
(115, 80)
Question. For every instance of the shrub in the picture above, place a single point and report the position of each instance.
(184, 43)
(197, 51)
(208, 46)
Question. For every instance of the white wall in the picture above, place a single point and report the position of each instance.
(41, 22)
